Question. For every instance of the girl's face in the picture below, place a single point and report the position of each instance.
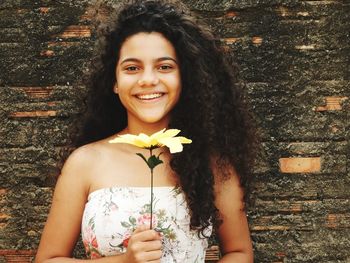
(148, 81)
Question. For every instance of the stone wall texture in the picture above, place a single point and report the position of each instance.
(294, 56)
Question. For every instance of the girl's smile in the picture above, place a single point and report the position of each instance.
(151, 96)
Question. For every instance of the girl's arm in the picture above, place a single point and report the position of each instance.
(62, 227)
(233, 233)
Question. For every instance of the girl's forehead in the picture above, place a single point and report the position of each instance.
(145, 44)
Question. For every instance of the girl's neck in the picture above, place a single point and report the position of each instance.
(146, 129)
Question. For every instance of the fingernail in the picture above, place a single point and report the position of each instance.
(158, 230)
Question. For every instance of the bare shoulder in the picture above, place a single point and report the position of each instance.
(81, 163)
(86, 156)
(77, 160)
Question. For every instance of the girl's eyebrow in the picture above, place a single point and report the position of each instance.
(139, 61)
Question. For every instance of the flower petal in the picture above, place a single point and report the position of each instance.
(184, 140)
(144, 137)
(141, 143)
(161, 138)
(157, 134)
(129, 139)
(171, 133)
(174, 144)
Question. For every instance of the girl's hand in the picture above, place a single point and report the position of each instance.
(144, 246)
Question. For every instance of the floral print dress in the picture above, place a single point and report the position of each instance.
(112, 214)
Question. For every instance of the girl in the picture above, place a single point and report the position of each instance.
(158, 69)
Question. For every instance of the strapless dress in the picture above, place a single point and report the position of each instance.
(112, 214)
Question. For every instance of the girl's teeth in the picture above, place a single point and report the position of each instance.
(149, 96)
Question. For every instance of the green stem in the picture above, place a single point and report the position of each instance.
(151, 193)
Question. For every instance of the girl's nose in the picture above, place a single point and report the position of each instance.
(148, 78)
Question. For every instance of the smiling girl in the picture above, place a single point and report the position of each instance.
(157, 68)
(148, 81)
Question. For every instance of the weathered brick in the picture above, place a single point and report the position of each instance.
(76, 32)
(332, 103)
(338, 221)
(20, 256)
(300, 165)
(26, 114)
(38, 92)
(332, 154)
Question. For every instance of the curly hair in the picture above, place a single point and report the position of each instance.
(212, 109)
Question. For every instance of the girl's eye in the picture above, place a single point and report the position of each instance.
(165, 67)
(131, 68)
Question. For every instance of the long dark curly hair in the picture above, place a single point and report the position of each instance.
(211, 110)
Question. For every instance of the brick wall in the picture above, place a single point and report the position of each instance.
(294, 56)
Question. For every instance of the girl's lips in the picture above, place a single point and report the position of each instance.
(150, 96)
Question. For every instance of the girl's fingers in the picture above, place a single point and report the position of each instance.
(152, 245)
(141, 228)
(145, 235)
(145, 245)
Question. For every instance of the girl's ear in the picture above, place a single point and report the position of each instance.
(115, 88)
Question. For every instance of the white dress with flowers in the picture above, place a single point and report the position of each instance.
(111, 215)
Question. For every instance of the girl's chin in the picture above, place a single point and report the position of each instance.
(153, 119)
(152, 115)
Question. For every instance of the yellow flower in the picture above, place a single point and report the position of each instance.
(161, 138)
